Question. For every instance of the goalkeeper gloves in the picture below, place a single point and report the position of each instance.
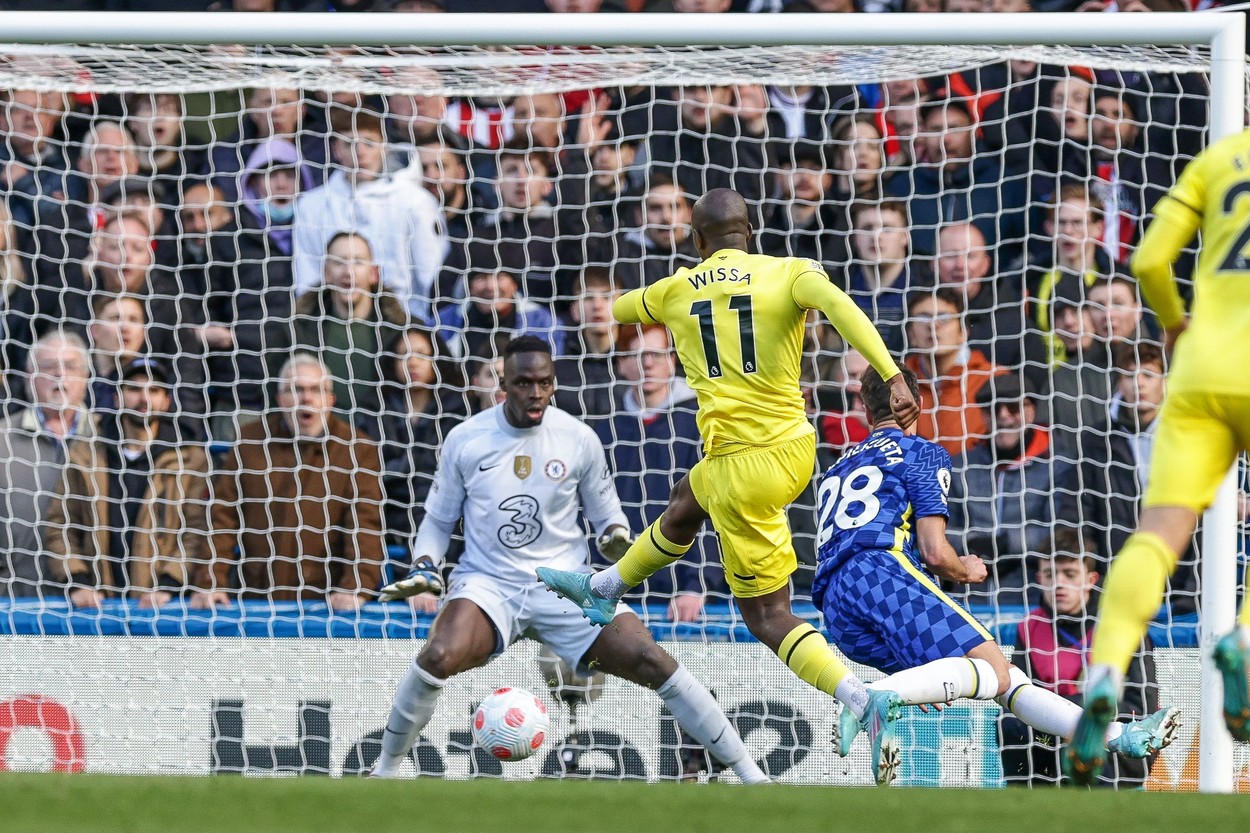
(422, 578)
(614, 543)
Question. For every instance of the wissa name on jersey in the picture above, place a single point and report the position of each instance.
(718, 274)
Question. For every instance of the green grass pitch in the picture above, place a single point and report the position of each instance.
(32, 803)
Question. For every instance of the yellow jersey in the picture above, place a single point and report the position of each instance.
(1212, 194)
(737, 322)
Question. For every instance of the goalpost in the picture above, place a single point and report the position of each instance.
(493, 58)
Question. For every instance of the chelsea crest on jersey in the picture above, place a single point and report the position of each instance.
(520, 492)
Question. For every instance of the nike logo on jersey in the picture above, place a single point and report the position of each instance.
(485, 467)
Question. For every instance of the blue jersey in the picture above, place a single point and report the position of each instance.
(869, 499)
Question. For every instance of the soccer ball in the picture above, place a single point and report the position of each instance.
(510, 724)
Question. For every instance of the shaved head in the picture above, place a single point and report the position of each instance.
(720, 220)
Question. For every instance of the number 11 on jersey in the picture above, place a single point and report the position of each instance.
(741, 304)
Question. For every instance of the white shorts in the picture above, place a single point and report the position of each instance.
(530, 611)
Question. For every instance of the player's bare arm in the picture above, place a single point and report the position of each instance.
(940, 557)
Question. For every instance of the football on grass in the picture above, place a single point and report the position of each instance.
(510, 724)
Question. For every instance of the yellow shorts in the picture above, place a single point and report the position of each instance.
(1196, 441)
(747, 493)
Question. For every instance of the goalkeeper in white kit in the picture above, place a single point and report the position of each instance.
(518, 474)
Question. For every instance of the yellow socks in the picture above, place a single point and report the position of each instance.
(1133, 595)
(807, 654)
(648, 554)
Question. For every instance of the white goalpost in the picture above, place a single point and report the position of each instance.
(491, 58)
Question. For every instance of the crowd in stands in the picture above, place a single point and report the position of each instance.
(232, 346)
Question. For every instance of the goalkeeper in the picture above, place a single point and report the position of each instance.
(517, 473)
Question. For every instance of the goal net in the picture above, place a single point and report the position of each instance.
(248, 291)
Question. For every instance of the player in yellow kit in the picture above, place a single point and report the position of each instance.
(1204, 423)
(737, 321)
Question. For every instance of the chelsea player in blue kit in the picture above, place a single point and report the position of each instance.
(881, 548)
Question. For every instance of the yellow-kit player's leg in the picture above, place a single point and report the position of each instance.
(1133, 595)
(650, 553)
(808, 655)
(1196, 440)
(1194, 446)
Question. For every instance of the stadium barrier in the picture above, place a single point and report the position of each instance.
(305, 704)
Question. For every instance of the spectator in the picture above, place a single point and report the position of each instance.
(201, 215)
(156, 120)
(33, 159)
(584, 379)
(1127, 179)
(420, 119)
(121, 262)
(899, 106)
(145, 197)
(1114, 459)
(699, 143)
(420, 408)
(1052, 648)
(1008, 491)
(270, 114)
(116, 336)
(1116, 311)
(250, 288)
(494, 305)
(846, 423)
(859, 158)
(803, 221)
(33, 456)
(950, 373)
(297, 506)
(485, 383)
(954, 183)
(860, 171)
(801, 113)
(525, 218)
(1013, 119)
(883, 271)
(400, 217)
(346, 322)
(1081, 383)
(446, 176)
(596, 195)
(537, 121)
(14, 279)
(994, 311)
(1078, 258)
(65, 222)
(663, 243)
(1070, 108)
(652, 443)
(130, 497)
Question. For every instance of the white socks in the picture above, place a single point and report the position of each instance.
(943, 680)
(608, 583)
(699, 714)
(852, 693)
(1045, 710)
(415, 700)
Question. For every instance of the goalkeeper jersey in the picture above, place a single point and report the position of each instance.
(520, 490)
